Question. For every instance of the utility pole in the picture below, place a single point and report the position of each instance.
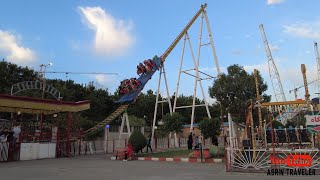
(259, 102)
(307, 95)
(43, 68)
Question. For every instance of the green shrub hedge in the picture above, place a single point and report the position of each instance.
(137, 140)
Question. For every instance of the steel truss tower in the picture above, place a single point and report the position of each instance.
(273, 72)
(194, 72)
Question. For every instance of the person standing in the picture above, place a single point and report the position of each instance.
(200, 139)
(194, 141)
(190, 141)
(16, 132)
(149, 144)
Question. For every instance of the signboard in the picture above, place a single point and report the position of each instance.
(312, 120)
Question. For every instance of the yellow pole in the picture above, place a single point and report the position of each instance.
(259, 102)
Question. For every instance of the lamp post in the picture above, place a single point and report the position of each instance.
(43, 68)
(106, 134)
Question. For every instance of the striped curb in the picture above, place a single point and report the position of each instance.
(177, 159)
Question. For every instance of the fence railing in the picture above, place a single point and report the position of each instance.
(100, 146)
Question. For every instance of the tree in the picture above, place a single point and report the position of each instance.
(101, 101)
(234, 89)
(137, 140)
(172, 123)
(210, 128)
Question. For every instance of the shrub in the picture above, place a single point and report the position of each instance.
(216, 151)
(137, 140)
(210, 128)
(172, 123)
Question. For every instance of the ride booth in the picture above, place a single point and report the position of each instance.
(37, 121)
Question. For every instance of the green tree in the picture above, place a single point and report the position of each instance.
(172, 123)
(210, 128)
(234, 89)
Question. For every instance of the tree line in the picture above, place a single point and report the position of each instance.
(232, 91)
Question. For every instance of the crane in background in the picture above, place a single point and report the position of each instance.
(295, 90)
(316, 50)
(94, 73)
(273, 72)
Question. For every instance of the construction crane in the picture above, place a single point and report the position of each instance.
(295, 90)
(61, 72)
(273, 72)
(316, 50)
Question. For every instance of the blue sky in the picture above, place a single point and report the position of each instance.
(114, 36)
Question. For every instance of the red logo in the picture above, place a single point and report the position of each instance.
(316, 119)
(293, 160)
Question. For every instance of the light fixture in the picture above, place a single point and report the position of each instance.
(19, 112)
(55, 115)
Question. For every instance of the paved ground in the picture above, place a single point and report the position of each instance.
(92, 167)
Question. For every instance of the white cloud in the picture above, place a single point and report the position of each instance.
(303, 30)
(105, 80)
(212, 70)
(10, 45)
(274, 48)
(263, 68)
(270, 2)
(112, 36)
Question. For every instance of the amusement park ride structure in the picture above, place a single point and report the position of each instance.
(130, 97)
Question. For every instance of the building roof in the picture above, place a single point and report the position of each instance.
(189, 125)
(29, 105)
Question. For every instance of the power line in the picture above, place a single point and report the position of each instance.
(59, 72)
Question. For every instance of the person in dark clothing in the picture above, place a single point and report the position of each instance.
(190, 141)
(149, 144)
(214, 140)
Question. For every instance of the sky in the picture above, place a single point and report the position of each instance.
(110, 36)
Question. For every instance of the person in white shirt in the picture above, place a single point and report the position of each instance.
(16, 132)
(200, 139)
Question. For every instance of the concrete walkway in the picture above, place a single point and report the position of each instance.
(100, 167)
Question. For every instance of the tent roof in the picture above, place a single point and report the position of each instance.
(29, 105)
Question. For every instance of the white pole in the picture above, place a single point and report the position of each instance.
(128, 125)
(121, 129)
(211, 41)
(197, 75)
(180, 69)
(156, 106)
(230, 137)
(168, 94)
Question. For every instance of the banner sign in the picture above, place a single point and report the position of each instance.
(312, 120)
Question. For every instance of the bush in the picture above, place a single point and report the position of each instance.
(137, 140)
(216, 151)
(210, 128)
(172, 123)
